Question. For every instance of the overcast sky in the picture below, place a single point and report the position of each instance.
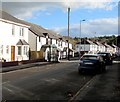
(101, 16)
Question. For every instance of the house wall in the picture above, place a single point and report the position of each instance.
(9, 40)
(40, 42)
(32, 40)
(54, 41)
(86, 47)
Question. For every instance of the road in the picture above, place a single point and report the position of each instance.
(51, 82)
(61, 81)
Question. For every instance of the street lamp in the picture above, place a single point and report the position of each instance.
(68, 30)
(80, 35)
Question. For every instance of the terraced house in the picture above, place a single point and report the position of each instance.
(14, 38)
(32, 41)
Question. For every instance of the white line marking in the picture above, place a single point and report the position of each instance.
(4, 82)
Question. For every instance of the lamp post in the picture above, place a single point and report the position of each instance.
(68, 30)
(80, 37)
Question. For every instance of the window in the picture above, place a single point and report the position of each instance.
(56, 41)
(39, 38)
(7, 49)
(51, 41)
(13, 29)
(25, 50)
(61, 43)
(89, 57)
(19, 50)
(46, 40)
(1, 49)
(21, 31)
(65, 43)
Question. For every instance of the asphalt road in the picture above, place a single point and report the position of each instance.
(61, 81)
(50, 82)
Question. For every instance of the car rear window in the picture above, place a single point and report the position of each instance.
(102, 54)
(89, 57)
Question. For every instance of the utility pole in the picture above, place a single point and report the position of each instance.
(68, 31)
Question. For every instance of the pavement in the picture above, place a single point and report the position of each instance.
(23, 66)
(102, 87)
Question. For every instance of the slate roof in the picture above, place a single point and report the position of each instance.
(36, 29)
(86, 41)
(6, 16)
(22, 42)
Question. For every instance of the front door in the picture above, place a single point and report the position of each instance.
(12, 53)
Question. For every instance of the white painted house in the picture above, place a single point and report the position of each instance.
(108, 48)
(86, 46)
(43, 39)
(100, 46)
(14, 39)
(25, 36)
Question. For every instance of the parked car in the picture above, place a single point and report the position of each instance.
(91, 63)
(107, 57)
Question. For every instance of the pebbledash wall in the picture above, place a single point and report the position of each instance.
(11, 33)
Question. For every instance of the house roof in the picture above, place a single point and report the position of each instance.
(22, 42)
(36, 29)
(99, 43)
(108, 46)
(6, 16)
(86, 41)
(114, 45)
(53, 34)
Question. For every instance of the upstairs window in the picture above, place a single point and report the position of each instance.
(50, 41)
(21, 31)
(39, 38)
(13, 29)
(56, 41)
(61, 43)
(46, 40)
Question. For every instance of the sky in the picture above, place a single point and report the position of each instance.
(101, 16)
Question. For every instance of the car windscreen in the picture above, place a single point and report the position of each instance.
(89, 58)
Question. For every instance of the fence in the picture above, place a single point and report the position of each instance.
(37, 55)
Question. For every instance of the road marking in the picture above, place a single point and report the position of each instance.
(18, 91)
(52, 80)
(8, 89)
(116, 61)
(85, 86)
(4, 82)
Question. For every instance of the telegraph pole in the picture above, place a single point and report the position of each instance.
(68, 31)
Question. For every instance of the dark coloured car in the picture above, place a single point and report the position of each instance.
(107, 57)
(91, 63)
